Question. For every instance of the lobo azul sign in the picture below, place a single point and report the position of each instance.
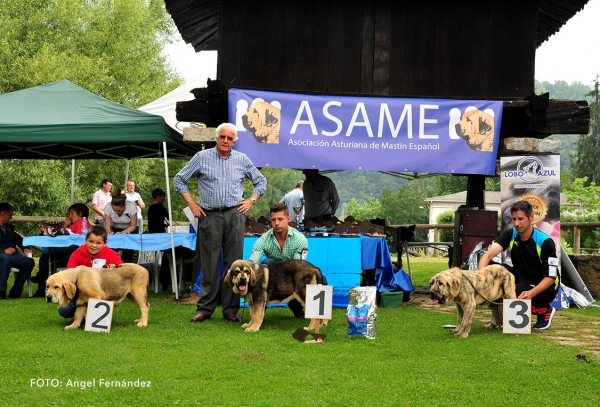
(285, 130)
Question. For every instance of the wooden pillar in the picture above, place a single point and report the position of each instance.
(476, 191)
(576, 240)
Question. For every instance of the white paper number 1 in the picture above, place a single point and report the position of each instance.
(319, 299)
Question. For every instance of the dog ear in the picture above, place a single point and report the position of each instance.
(69, 291)
(227, 279)
(254, 272)
(454, 287)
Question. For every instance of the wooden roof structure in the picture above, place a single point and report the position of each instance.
(457, 49)
(198, 21)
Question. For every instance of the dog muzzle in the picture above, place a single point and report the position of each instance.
(242, 284)
(436, 300)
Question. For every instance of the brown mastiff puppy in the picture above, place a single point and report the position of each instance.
(261, 285)
(469, 288)
(114, 284)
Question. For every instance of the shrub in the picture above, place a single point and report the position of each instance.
(445, 218)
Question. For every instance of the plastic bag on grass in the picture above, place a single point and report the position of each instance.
(362, 319)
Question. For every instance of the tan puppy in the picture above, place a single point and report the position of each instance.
(492, 283)
(477, 129)
(263, 121)
(261, 285)
(82, 283)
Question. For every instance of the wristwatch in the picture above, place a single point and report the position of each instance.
(253, 201)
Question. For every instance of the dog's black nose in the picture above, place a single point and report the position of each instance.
(48, 298)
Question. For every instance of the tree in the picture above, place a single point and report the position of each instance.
(587, 161)
(111, 48)
(587, 194)
(369, 210)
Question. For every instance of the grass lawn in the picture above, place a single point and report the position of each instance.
(412, 362)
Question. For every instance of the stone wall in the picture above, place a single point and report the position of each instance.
(588, 267)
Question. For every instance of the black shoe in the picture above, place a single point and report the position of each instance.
(13, 296)
(34, 279)
(39, 294)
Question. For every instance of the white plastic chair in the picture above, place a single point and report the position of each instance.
(151, 261)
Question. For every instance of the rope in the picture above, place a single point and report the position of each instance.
(477, 291)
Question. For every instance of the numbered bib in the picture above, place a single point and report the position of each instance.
(99, 315)
(517, 316)
(318, 301)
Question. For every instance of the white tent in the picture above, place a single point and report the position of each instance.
(165, 105)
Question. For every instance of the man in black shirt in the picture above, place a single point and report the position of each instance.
(156, 224)
(535, 264)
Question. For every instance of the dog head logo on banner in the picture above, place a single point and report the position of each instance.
(477, 129)
(263, 120)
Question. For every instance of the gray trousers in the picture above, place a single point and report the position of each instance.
(215, 231)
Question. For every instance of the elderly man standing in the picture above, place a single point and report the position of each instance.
(221, 211)
(9, 257)
(132, 196)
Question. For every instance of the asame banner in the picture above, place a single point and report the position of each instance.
(285, 130)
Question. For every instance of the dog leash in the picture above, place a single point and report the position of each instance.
(243, 310)
(477, 291)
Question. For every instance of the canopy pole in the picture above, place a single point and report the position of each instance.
(72, 182)
(126, 175)
(174, 268)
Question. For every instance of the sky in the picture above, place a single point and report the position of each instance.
(571, 54)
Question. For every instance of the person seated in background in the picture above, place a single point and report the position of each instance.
(74, 223)
(156, 224)
(94, 253)
(9, 257)
(120, 217)
(75, 215)
(281, 243)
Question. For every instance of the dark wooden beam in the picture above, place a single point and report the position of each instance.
(537, 117)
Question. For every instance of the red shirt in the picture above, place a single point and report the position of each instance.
(76, 227)
(81, 257)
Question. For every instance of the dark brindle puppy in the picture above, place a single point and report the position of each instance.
(261, 285)
(492, 283)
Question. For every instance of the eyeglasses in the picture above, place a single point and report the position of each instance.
(224, 137)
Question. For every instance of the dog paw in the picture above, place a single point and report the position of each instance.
(251, 329)
(140, 323)
(492, 325)
(246, 325)
(72, 326)
(461, 334)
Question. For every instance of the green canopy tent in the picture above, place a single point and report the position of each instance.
(60, 120)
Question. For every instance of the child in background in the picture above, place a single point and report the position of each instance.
(75, 215)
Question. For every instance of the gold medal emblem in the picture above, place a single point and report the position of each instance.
(539, 205)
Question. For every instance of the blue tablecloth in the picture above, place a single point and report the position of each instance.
(143, 242)
(340, 259)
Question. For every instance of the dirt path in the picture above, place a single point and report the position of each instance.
(567, 329)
